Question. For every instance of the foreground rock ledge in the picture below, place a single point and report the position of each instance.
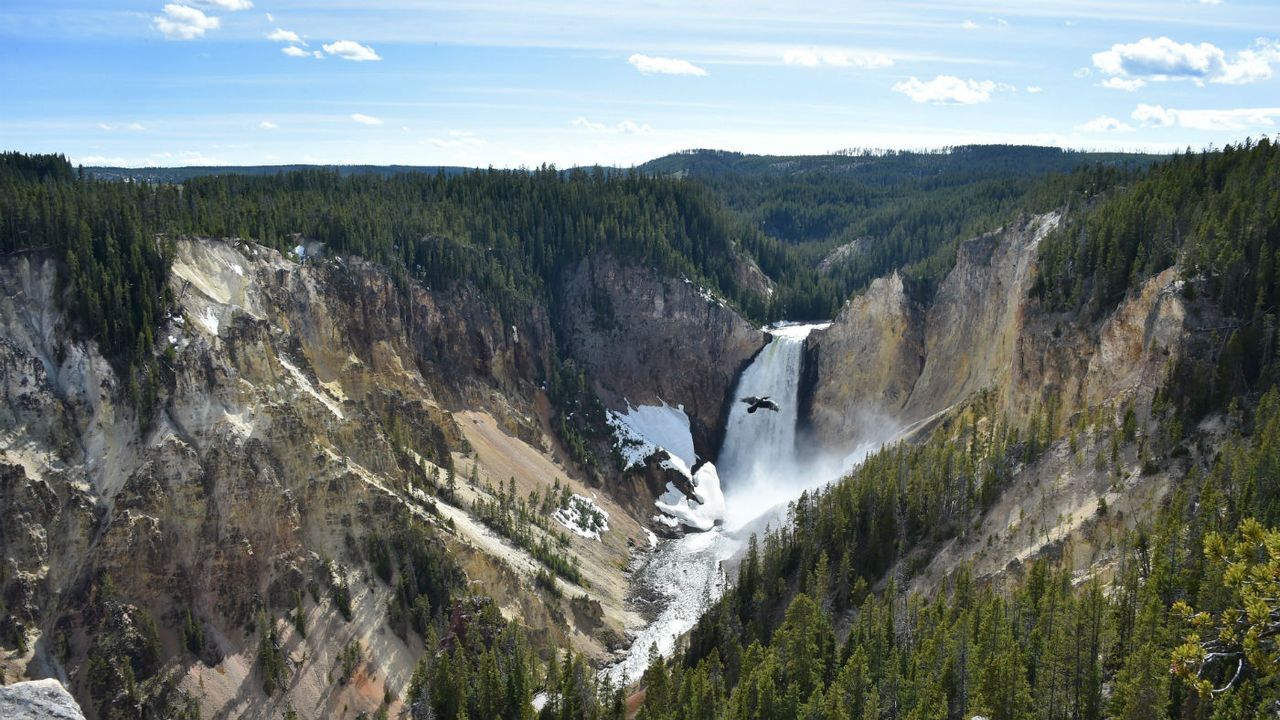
(38, 700)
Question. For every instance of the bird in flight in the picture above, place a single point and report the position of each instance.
(759, 402)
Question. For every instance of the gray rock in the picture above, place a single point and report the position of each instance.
(38, 700)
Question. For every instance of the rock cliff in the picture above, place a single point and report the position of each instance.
(308, 412)
(647, 338)
(38, 700)
(867, 363)
(894, 359)
(890, 357)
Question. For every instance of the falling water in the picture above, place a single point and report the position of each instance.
(758, 463)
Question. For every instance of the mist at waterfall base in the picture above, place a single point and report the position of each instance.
(763, 466)
(761, 469)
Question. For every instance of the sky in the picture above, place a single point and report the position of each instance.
(510, 83)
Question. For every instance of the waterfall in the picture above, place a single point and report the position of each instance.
(761, 470)
(759, 465)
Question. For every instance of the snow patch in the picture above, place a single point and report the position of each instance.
(643, 430)
(583, 517)
(710, 297)
(702, 512)
(209, 320)
(653, 539)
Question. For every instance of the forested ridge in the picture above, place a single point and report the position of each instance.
(507, 234)
(885, 210)
(1216, 215)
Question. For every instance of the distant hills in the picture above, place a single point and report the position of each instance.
(867, 166)
(871, 166)
(181, 174)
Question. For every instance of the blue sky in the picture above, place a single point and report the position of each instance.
(510, 83)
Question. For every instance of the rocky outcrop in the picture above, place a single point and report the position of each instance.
(866, 364)
(975, 320)
(888, 360)
(646, 338)
(844, 254)
(38, 700)
(985, 349)
(302, 410)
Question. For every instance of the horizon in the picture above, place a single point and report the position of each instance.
(194, 83)
(845, 152)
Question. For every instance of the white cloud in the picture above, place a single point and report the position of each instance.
(294, 51)
(224, 5)
(366, 119)
(287, 36)
(1162, 59)
(351, 50)
(268, 125)
(664, 66)
(1033, 89)
(1253, 64)
(586, 124)
(180, 22)
(271, 18)
(805, 57)
(1119, 83)
(1231, 119)
(1104, 123)
(1082, 72)
(134, 126)
(1210, 2)
(946, 89)
(997, 23)
(626, 127)
(1154, 115)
